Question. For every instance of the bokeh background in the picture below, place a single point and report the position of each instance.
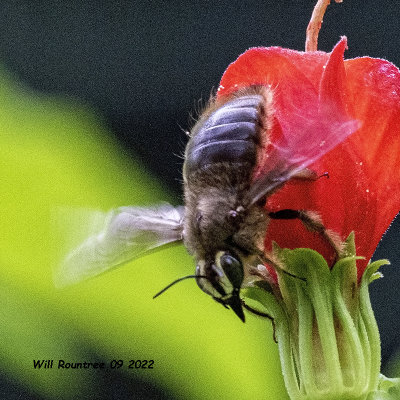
(94, 100)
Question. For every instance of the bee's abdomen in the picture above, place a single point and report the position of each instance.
(230, 134)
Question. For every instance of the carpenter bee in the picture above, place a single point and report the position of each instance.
(233, 162)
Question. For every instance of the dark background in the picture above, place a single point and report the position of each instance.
(145, 66)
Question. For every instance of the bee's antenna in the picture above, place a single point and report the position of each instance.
(176, 281)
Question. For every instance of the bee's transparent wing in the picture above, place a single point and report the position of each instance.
(303, 139)
(127, 233)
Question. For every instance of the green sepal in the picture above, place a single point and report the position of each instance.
(388, 389)
(371, 272)
(327, 334)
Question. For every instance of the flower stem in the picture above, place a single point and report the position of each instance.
(315, 24)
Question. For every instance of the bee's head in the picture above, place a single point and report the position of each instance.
(221, 276)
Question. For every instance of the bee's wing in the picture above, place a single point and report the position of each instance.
(128, 233)
(302, 139)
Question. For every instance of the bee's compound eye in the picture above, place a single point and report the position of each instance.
(232, 267)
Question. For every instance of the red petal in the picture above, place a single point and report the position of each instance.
(273, 66)
(332, 88)
(374, 89)
(362, 193)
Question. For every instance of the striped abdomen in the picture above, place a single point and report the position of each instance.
(229, 134)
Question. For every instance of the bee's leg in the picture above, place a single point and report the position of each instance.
(221, 302)
(308, 174)
(313, 223)
(261, 314)
(275, 264)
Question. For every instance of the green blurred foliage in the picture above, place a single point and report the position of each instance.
(56, 153)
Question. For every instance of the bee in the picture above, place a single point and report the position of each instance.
(233, 162)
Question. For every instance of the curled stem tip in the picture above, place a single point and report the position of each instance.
(315, 24)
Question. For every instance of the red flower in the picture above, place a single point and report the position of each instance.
(362, 193)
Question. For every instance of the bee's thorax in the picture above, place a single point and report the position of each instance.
(216, 217)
